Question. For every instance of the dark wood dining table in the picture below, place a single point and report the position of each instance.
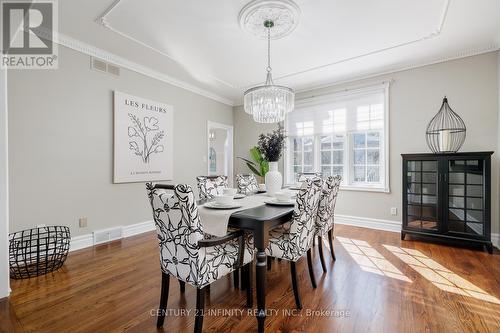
(259, 221)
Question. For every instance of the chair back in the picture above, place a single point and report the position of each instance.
(304, 215)
(210, 186)
(302, 176)
(324, 220)
(178, 228)
(247, 184)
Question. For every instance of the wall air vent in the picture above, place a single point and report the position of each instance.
(107, 235)
(104, 67)
(115, 70)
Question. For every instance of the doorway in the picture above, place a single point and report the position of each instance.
(220, 150)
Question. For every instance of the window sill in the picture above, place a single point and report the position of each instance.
(358, 188)
(365, 189)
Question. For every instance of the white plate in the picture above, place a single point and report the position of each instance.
(275, 202)
(239, 196)
(215, 205)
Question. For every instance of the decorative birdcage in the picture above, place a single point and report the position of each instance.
(446, 131)
(38, 251)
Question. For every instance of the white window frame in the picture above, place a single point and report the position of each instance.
(347, 183)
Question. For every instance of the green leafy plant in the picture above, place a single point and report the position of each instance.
(259, 165)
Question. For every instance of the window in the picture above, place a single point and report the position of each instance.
(341, 134)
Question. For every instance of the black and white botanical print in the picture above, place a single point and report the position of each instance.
(145, 137)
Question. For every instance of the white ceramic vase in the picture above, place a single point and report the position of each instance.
(274, 181)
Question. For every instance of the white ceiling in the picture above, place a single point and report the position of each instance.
(200, 42)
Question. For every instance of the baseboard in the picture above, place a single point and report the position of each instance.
(495, 239)
(138, 228)
(87, 240)
(81, 242)
(387, 225)
(365, 222)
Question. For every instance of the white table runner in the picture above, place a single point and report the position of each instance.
(215, 221)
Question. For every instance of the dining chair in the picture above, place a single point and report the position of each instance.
(302, 176)
(189, 254)
(247, 183)
(210, 186)
(292, 240)
(324, 220)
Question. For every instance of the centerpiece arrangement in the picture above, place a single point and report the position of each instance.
(266, 154)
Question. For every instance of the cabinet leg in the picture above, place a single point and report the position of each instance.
(489, 248)
(403, 235)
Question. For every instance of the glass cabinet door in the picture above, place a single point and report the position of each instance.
(422, 195)
(466, 197)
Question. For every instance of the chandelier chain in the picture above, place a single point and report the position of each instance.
(269, 103)
(269, 49)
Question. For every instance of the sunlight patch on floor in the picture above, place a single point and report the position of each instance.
(439, 275)
(370, 260)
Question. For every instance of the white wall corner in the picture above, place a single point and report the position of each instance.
(4, 189)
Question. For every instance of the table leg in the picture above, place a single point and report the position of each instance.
(260, 274)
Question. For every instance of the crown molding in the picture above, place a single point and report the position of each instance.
(459, 55)
(432, 35)
(94, 51)
(435, 33)
(405, 67)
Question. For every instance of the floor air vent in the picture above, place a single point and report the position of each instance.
(107, 235)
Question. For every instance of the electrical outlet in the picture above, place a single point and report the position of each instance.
(394, 211)
(82, 222)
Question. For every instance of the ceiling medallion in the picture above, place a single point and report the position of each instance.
(283, 13)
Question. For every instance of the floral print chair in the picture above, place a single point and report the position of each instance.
(210, 186)
(324, 220)
(186, 252)
(308, 175)
(247, 184)
(294, 239)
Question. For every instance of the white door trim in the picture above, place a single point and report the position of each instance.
(229, 128)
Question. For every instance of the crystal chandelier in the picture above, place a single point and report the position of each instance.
(269, 103)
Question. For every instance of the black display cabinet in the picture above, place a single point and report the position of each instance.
(448, 196)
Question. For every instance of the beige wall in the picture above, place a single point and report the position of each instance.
(61, 148)
(246, 132)
(415, 96)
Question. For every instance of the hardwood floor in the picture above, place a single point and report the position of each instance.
(377, 284)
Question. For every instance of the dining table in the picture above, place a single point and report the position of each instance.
(259, 221)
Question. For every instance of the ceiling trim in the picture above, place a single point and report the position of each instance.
(102, 20)
(94, 51)
(459, 55)
(432, 35)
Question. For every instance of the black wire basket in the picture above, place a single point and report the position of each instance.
(38, 251)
